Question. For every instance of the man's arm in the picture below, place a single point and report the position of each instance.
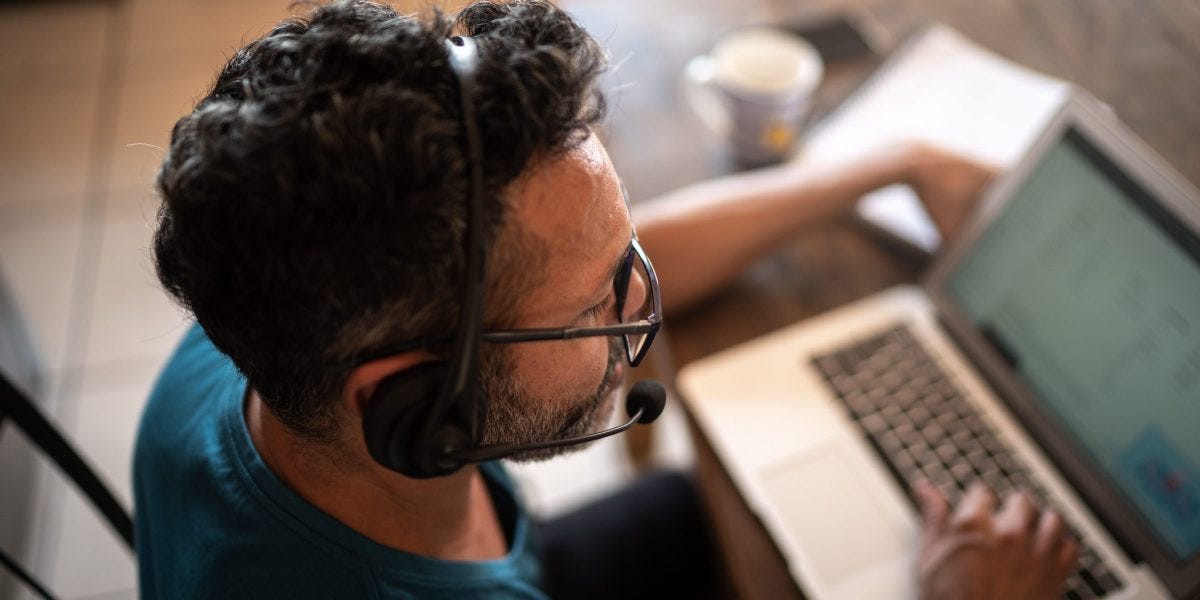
(702, 236)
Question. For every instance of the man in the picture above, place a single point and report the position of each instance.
(314, 212)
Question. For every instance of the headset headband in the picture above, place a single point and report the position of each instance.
(459, 392)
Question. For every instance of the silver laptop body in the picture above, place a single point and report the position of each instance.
(1067, 316)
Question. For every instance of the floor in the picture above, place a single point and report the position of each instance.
(88, 93)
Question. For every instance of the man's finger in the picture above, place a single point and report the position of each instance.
(1050, 533)
(934, 508)
(1019, 514)
(1068, 555)
(975, 508)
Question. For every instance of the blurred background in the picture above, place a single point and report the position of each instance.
(89, 90)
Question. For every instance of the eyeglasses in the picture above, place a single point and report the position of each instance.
(637, 330)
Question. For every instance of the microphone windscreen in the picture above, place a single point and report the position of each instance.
(648, 395)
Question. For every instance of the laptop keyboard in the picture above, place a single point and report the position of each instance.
(921, 425)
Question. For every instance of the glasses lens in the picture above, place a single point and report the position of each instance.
(638, 304)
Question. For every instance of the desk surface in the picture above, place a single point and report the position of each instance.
(1142, 58)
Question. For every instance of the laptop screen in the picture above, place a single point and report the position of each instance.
(1091, 291)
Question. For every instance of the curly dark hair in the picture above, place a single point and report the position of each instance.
(313, 201)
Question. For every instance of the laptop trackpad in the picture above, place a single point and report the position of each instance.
(839, 524)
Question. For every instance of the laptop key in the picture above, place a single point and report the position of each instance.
(963, 474)
(919, 415)
(890, 443)
(1092, 583)
(933, 433)
(1084, 591)
(1108, 581)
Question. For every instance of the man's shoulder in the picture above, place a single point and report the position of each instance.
(195, 366)
(186, 395)
(213, 522)
(183, 452)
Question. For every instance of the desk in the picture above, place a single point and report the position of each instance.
(1142, 58)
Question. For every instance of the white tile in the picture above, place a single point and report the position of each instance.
(85, 558)
(45, 213)
(43, 524)
(76, 553)
(40, 34)
(160, 87)
(222, 24)
(48, 122)
(48, 491)
(672, 447)
(89, 558)
(561, 484)
(106, 416)
(126, 594)
(20, 464)
(226, 25)
(39, 255)
(130, 314)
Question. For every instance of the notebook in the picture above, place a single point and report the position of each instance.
(934, 89)
(1054, 347)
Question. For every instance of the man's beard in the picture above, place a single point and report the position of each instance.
(515, 418)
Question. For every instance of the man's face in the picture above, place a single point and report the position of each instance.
(572, 205)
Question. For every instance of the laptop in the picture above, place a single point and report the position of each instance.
(1054, 347)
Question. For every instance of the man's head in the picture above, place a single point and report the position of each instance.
(313, 202)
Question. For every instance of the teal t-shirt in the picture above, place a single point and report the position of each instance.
(212, 521)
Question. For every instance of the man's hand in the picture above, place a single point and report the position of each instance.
(947, 184)
(976, 553)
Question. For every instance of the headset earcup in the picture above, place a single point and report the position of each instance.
(438, 457)
(394, 417)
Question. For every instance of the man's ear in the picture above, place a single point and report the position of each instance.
(365, 378)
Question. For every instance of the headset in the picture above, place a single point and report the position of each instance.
(418, 421)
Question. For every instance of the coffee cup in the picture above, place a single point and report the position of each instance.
(753, 90)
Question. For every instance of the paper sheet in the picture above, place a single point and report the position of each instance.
(942, 89)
